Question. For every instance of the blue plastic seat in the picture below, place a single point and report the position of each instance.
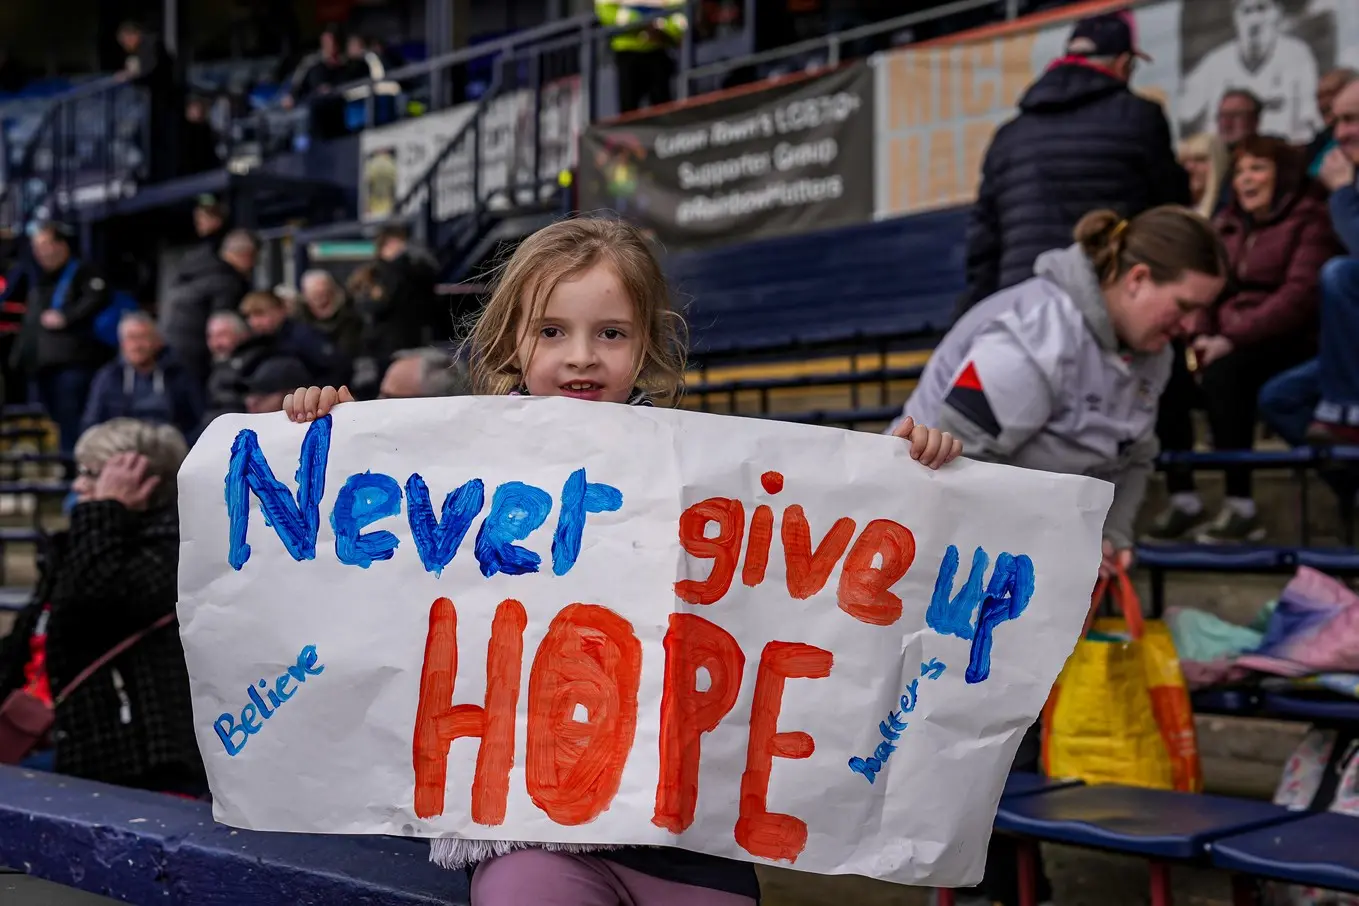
(14, 598)
(1216, 557)
(1155, 823)
(1319, 850)
(1026, 783)
(888, 278)
(1293, 458)
(23, 410)
(1239, 702)
(1314, 709)
(42, 488)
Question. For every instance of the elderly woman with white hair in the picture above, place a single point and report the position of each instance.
(111, 578)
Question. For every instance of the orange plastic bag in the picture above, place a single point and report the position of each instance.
(1120, 711)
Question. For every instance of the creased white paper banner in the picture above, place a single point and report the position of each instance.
(699, 627)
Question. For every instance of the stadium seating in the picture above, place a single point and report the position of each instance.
(1316, 851)
(894, 278)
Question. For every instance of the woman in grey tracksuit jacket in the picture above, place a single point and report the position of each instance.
(1063, 372)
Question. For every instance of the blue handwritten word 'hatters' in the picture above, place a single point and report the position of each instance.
(257, 710)
(1007, 596)
(892, 728)
(516, 511)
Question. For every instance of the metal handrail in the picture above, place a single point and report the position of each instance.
(19, 175)
(832, 42)
(426, 181)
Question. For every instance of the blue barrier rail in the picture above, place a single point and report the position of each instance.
(143, 847)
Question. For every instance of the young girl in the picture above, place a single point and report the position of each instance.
(582, 309)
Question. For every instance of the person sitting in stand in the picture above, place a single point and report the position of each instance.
(1278, 236)
(1318, 401)
(108, 577)
(145, 382)
(423, 373)
(326, 309)
(272, 381)
(268, 317)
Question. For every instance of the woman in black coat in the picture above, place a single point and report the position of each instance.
(110, 575)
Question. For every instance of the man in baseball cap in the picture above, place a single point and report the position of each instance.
(1109, 35)
(1082, 140)
(273, 379)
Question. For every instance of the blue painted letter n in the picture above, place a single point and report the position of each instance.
(294, 519)
(1006, 597)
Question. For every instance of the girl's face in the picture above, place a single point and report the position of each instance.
(586, 343)
(1254, 183)
(1198, 167)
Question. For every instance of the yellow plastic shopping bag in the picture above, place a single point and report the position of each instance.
(1120, 711)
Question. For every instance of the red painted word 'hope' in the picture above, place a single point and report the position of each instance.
(591, 658)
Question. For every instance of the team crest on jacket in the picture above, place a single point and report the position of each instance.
(968, 398)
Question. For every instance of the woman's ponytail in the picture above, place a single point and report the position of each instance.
(1169, 240)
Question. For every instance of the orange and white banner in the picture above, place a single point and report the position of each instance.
(560, 621)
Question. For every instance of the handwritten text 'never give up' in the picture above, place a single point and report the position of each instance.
(591, 647)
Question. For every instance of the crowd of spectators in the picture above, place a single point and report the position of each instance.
(128, 405)
(1285, 212)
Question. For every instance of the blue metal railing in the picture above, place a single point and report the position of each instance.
(91, 144)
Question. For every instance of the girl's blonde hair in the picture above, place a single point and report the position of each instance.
(559, 252)
(1212, 149)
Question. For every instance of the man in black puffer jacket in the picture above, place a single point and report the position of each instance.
(1082, 141)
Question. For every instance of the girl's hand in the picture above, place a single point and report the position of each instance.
(930, 447)
(307, 404)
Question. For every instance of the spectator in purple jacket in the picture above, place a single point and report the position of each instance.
(1278, 236)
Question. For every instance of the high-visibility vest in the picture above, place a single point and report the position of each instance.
(667, 14)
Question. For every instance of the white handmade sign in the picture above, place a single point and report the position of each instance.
(552, 620)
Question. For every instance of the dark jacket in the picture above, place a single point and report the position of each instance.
(112, 574)
(226, 382)
(199, 260)
(344, 329)
(167, 395)
(184, 317)
(74, 345)
(400, 306)
(1082, 141)
(1274, 293)
(317, 353)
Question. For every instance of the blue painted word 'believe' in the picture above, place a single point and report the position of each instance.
(226, 726)
(517, 510)
(1007, 595)
(892, 728)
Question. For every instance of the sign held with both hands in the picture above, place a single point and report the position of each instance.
(556, 621)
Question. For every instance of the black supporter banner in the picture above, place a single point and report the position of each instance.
(790, 158)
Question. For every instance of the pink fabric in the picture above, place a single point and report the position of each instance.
(535, 877)
(1219, 672)
(1314, 629)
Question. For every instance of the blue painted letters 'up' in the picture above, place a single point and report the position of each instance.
(364, 499)
(579, 497)
(438, 541)
(1007, 595)
(517, 510)
(294, 519)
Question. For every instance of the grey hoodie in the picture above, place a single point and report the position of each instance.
(1034, 377)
